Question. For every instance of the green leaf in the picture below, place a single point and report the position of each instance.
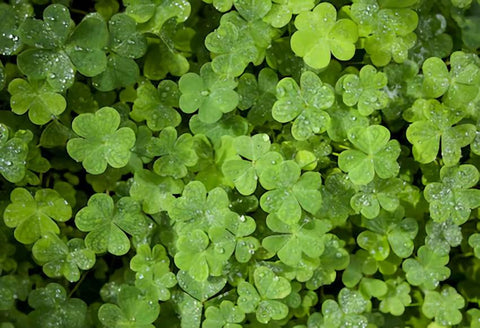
(33, 217)
(176, 154)
(156, 105)
(106, 222)
(437, 123)
(453, 198)
(9, 34)
(443, 306)
(396, 298)
(304, 105)
(120, 72)
(41, 102)
(53, 308)
(133, 310)
(14, 152)
(63, 259)
(209, 92)
(427, 270)
(100, 142)
(376, 155)
(364, 90)
(153, 191)
(319, 34)
(201, 290)
(225, 315)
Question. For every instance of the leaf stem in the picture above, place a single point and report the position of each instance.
(82, 278)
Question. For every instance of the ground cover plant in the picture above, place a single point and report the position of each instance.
(239, 163)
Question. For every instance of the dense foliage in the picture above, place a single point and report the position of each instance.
(239, 163)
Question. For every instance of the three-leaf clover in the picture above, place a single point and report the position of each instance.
(263, 299)
(226, 315)
(319, 35)
(156, 105)
(396, 298)
(444, 306)
(106, 222)
(453, 198)
(176, 154)
(125, 45)
(293, 242)
(38, 98)
(347, 312)
(288, 192)
(434, 122)
(442, 236)
(59, 49)
(427, 270)
(282, 11)
(33, 217)
(241, 38)
(14, 152)
(304, 104)
(63, 259)
(460, 85)
(52, 307)
(152, 14)
(245, 173)
(211, 93)
(101, 141)
(153, 275)
(154, 192)
(133, 310)
(375, 153)
(364, 90)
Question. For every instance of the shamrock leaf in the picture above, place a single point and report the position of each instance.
(442, 236)
(152, 14)
(304, 104)
(319, 34)
(377, 193)
(202, 255)
(133, 310)
(388, 29)
(454, 197)
(53, 308)
(13, 156)
(282, 11)
(60, 48)
(32, 217)
(427, 270)
(10, 19)
(211, 93)
(437, 122)
(336, 195)
(100, 141)
(263, 298)
(288, 192)
(41, 102)
(396, 298)
(460, 85)
(258, 96)
(293, 242)
(201, 290)
(245, 173)
(241, 38)
(153, 275)
(363, 90)
(347, 312)
(126, 44)
(225, 315)
(154, 192)
(106, 222)
(443, 306)
(374, 154)
(156, 105)
(176, 154)
(63, 259)
(334, 258)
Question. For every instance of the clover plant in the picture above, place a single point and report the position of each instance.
(239, 163)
